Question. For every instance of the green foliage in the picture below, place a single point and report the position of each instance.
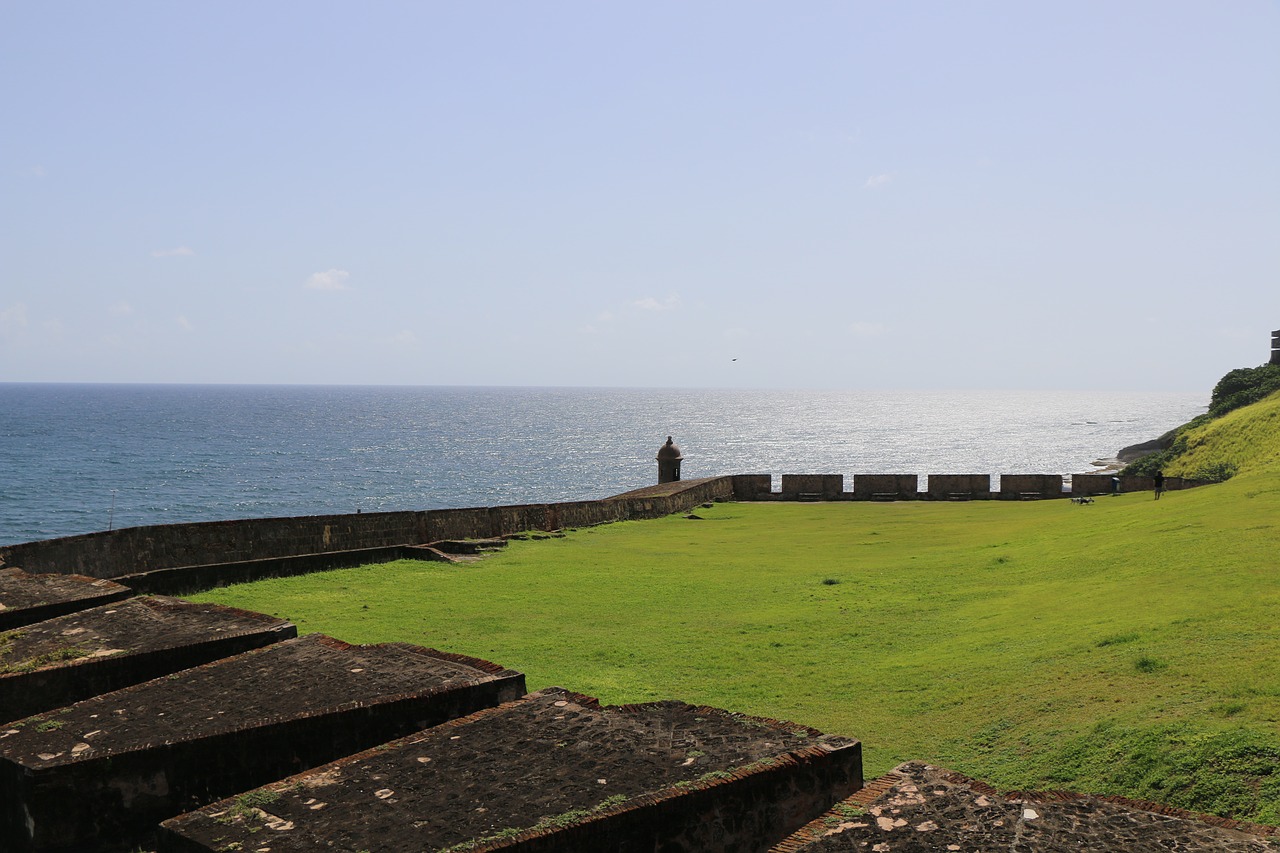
(246, 805)
(1148, 664)
(1117, 640)
(1243, 387)
(1215, 472)
(1148, 465)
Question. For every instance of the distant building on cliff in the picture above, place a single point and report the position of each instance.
(1275, 347)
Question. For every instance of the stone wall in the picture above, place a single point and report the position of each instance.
(752, 487)
(1087, 485)
(1017, 486)
(827, 487)
(137, 550)
(959, 486)
(902, 487)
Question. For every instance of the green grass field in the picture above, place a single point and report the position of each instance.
(1131, 646)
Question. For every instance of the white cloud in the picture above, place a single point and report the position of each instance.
(329, 280)
(36, 171)
(13, 319)
(179, 252)
(651, 304)
(121, 309)
(601, 324)
(403, 339)
(877, 181)
(182, 321)
(867, 330)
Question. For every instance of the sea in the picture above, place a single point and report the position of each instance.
(82, 458)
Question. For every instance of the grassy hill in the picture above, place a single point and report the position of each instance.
(1130, 646)
(1245, 440)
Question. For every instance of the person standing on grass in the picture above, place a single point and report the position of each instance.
(1159, 481)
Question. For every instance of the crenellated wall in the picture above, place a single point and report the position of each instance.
(173, 558)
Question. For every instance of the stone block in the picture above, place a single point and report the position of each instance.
(27, 598)
(59, 661)
(959, 486)
(552, 772)
(901, 487)
(115, 765)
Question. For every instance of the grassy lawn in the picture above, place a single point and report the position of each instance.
(1130, 646)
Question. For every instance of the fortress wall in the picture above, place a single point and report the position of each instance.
(827, 486)
(903, 487)
(130, 550)
(1015, 486)
(752, 487)
(1085, 485)
(970, 486)
(143, 550)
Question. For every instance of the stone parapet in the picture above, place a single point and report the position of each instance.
(943, 487)
(141, 550)
(898, 487)
(826, 487)
(1030, 486)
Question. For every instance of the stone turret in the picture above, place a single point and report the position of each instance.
(1275, 347)
(669, 458)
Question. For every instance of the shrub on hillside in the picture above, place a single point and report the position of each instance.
(1242, 387)
(1219, 472)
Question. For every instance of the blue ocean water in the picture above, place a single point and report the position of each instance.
(80, 458)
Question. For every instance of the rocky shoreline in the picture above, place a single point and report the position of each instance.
(1132, 453)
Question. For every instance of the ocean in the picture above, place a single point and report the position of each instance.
(82, 458)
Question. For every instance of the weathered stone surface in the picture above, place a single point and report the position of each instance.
(554, 771)
(1016, 486)
(27, 598)
(121, 762)
(920, 808)
(959, 486)
(901, 487)
(827, 487)
(59, 661)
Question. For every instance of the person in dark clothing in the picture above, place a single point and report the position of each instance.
(1159, 481)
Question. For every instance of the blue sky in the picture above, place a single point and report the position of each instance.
(906, 195)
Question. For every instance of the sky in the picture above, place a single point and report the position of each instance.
(834, 195)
